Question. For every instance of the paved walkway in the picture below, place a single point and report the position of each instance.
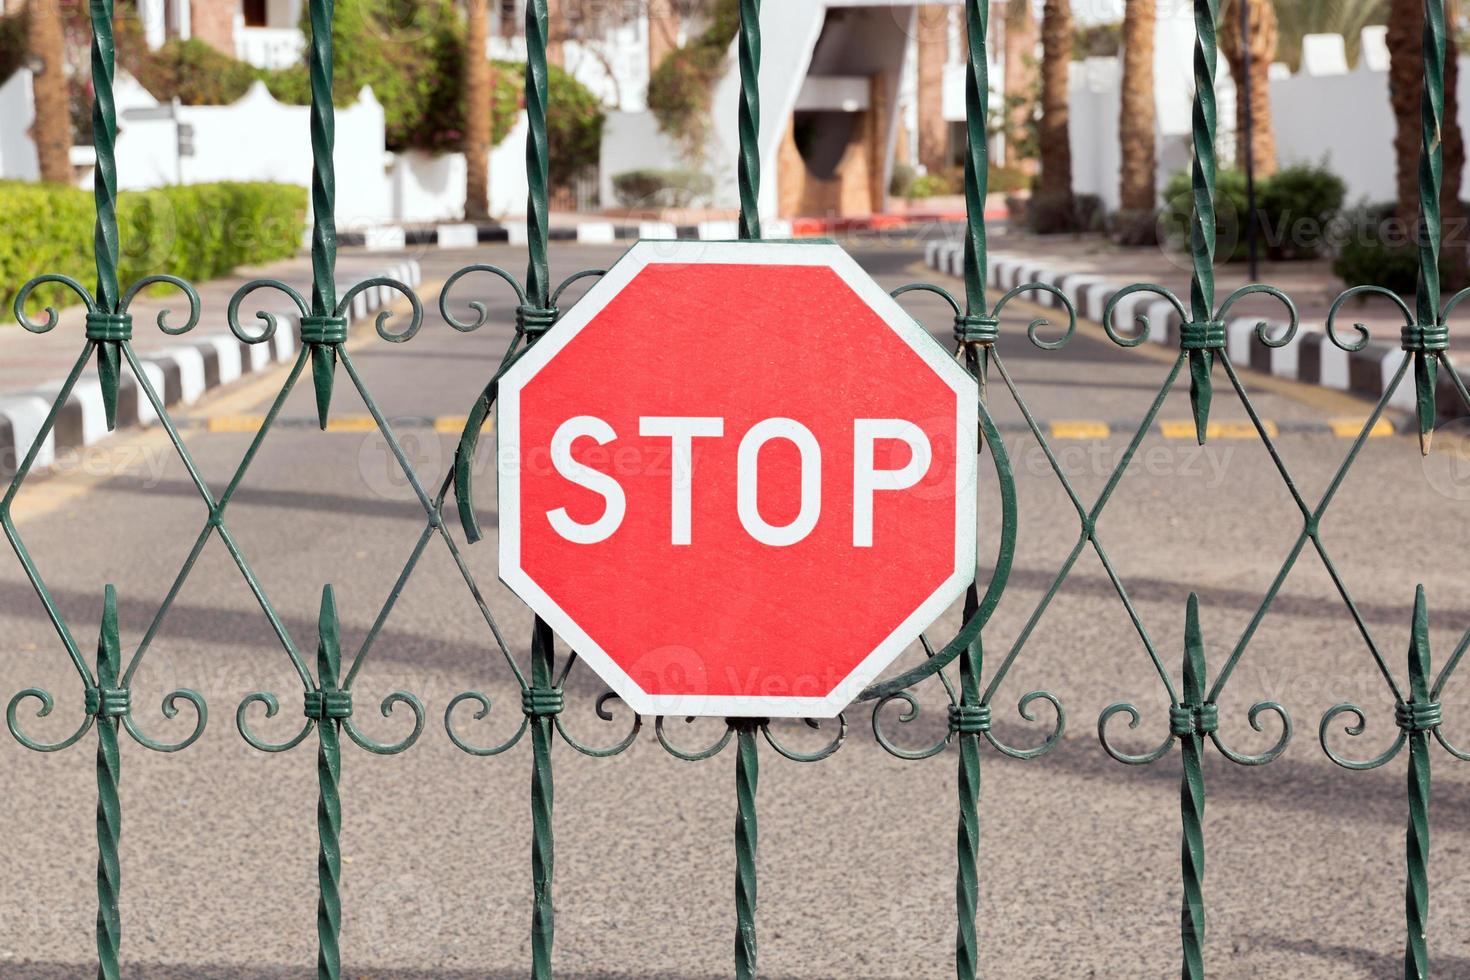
(1091, 271)
(33, 367)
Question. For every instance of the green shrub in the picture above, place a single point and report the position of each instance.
(194, 72)
(1377, 249)
(680, 88)
(937, 184)
(197, 232)
(412, 56)
(902, 180)
(1370, 261)
(1300, 203)
(1007, 180)
(662, 188)
(1295, 209)
(12, 43)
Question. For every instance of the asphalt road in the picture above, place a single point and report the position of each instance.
(1079, 873)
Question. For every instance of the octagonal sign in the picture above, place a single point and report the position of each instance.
(737, 478)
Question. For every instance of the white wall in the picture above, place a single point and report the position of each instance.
(633, 141)
(1096, 101)
(431, 187)
(17, 111)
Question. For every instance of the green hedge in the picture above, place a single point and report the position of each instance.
(410, 52)
(680, 88)
(197, 232)
(1295, 208)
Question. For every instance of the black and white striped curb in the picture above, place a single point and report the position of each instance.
(180, 374)
(394, 237)
(1311, 357)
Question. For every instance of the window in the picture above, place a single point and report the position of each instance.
(255, 13)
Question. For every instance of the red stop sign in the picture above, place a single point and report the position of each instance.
(737, 478)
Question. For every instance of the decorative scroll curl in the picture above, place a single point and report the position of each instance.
(817, 756)
(52, 317)
(170, 709)
(1023, 707)
(272, 706)
(386, 709)
(232, 313)
(1362, 330)
(465, 745)
(195, 306)
(1357, 727)
(415, 322)
(708, 752)
(1141, 320)
(1263, 327)
(47, 704)
(616, 748)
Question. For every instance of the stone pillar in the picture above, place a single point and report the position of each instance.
(556, 32)
(932, 28)
(213, 22)
(663, 31)
(878, 120)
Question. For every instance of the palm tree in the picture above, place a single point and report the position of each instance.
(477, 82)
(1298, 18)
(933, 51)
(1405, 81)
(1261, 15)
(1137, 195)
(1019, 81)
(51, 131)
(1054, 208)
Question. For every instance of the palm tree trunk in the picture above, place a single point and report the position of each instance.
(933, 51)
(1405, 82)
(477, 83)
(1264, 34)
(1020, 80)
(1054, 208)
(51, 131)
(1137, 193)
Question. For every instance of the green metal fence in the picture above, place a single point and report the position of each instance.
(958, 664)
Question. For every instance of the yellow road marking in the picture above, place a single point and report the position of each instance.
(119, 453)
(1349, 428)
(1176, 429)
(1080, 429)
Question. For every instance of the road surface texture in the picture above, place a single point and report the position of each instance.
(1079, 868)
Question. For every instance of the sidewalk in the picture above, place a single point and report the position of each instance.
(180, 368)
(1090, 270)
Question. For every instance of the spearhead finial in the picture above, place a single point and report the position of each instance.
(329, 644)
(1194, 653)
(1419, 649)
(1201, 391)
(108, 645)
(1426, 378)
(323, 334)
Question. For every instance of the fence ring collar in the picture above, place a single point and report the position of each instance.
(533, 321)
(969, 719)
(1202, 335)
(541, 702)
(329, 705)
(1425, 338)
(1193, 719)
(323, 330)
(108, 702)
(109, 327)
(976, 329)
(1418, 716)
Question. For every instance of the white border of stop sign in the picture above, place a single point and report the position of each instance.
(946, 369)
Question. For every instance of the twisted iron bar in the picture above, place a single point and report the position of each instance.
(747, 837)
(1193, 717)
(1417, 718)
